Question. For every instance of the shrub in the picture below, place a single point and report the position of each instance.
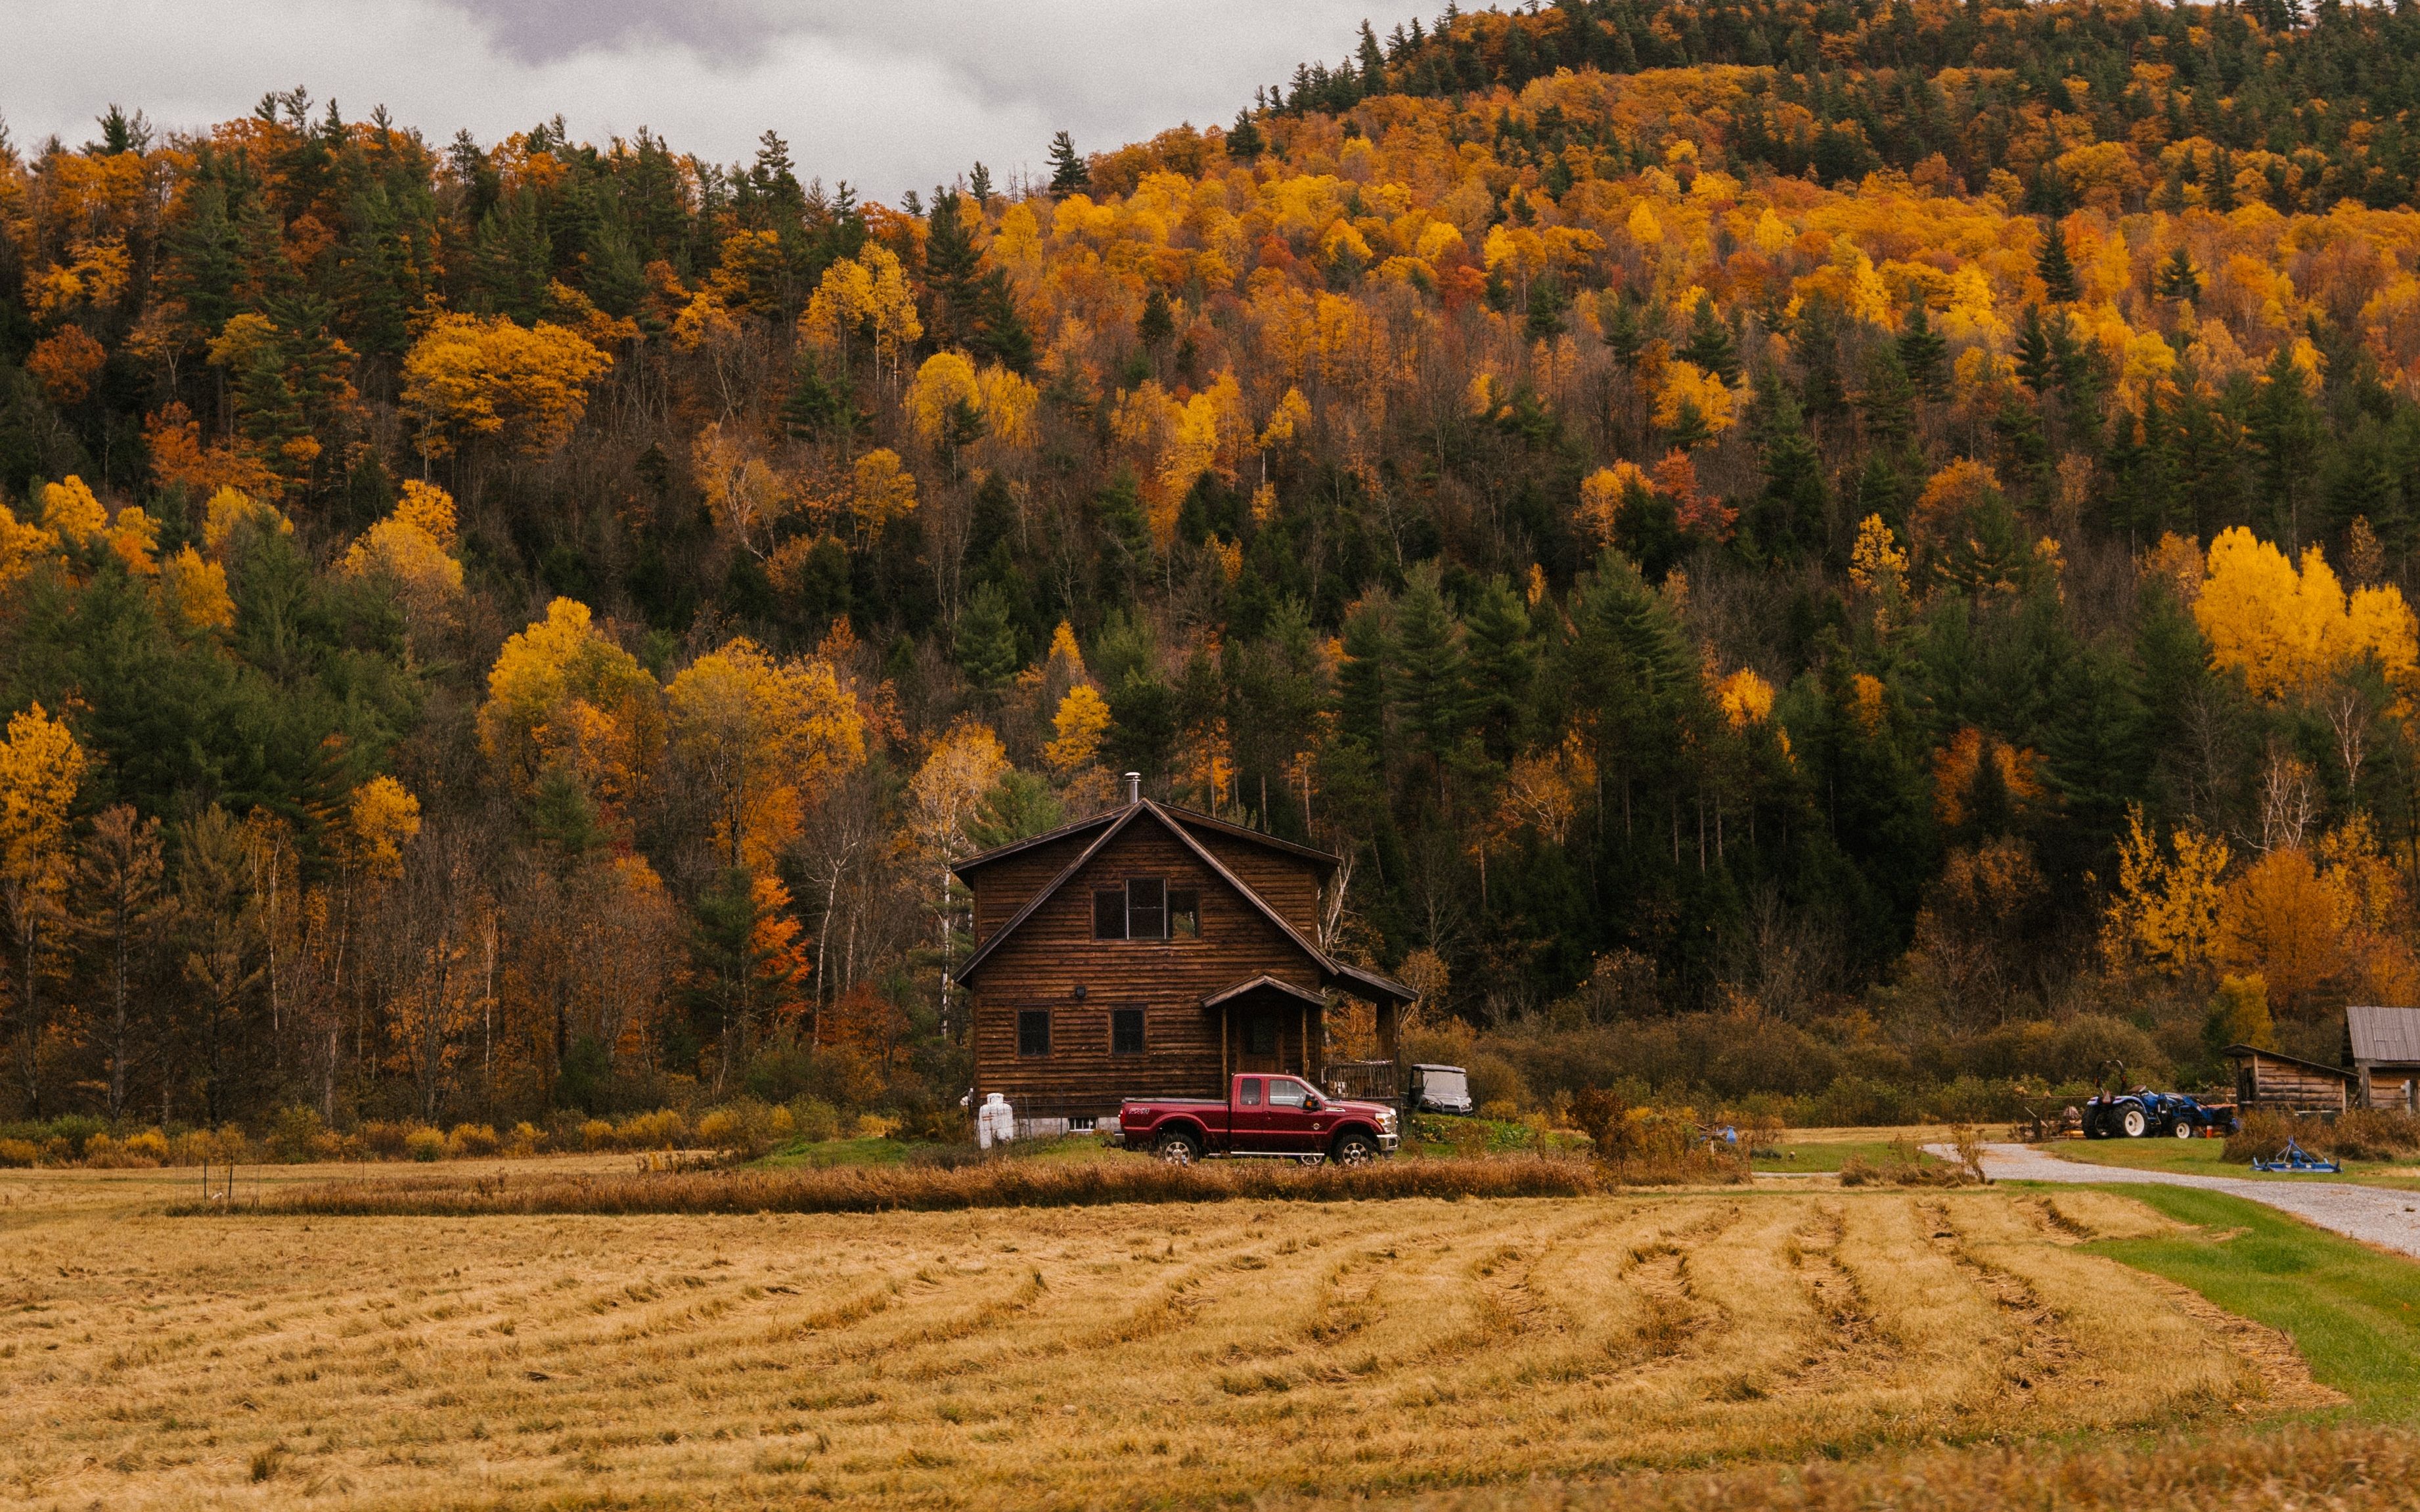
(297, 1136)
(816, 1119)
(2374, 1133)
(149, 1145)
(662, 1130)
(102, 1152)
(746, 1129)
(524, 1139)
(16, 1153)
(2358, 1134)
(597, 1135)
(383, 1139)
(424, 1143)
(470, 1141)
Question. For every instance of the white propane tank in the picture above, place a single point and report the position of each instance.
(995, 1120)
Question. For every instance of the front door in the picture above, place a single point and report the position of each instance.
(1264, 1041)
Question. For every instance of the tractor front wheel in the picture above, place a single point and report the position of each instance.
(2184, 1128)
(2134, 1123)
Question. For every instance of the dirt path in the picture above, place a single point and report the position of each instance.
(2376, 1215)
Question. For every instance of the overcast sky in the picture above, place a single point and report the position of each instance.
(891, 95)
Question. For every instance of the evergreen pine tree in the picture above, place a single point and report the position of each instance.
(1431, 682)
(1244, 141)
(1789, 516)
(2178, 279)
(1709, 346)
(999, 332)
(2036, 367)
(2056, 271)
(1887, 404)
(1068, 174)
(1924, 355)
(1502, 663)
(985, 641)
(1158, 322)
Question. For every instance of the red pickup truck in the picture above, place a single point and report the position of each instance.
(1283, 1117)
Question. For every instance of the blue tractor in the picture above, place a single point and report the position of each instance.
(2143, 1113)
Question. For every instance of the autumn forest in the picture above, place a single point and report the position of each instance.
(1845, 560)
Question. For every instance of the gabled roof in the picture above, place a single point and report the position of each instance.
(1368, 982)
(1226, 996)
(2390, 1035)
(1001, 853)
(2245, 1052)
(1190, 818)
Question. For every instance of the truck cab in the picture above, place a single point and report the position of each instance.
(1265, 1115)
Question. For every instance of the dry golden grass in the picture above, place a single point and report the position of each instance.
(1094, 1356)
(990, 1183)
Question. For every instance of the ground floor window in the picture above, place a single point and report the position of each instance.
(1034, 1032)
(1126, 1031)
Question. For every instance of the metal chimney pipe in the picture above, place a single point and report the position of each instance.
(1134, 787)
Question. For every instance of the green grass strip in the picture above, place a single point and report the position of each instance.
(2352, 1311)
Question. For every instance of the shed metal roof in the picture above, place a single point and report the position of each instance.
(2384, 1034)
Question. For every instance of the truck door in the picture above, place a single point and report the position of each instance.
(1248, 1117)
(1291, 1127)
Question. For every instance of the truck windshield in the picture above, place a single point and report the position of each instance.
(1444, 1084)
(1285, 1092)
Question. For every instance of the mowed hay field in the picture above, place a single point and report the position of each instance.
(1103, 1356)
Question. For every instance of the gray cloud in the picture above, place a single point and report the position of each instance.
(891, 96)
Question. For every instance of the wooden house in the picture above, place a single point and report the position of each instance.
(1150, 951)
(2287, 1083)
(2383, 1044)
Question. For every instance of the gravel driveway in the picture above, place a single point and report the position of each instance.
(2376, 1215)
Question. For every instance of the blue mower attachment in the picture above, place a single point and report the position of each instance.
(2294, 1159)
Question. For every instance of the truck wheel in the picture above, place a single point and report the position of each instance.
(1356, 1150)
(1177, 1150)
(2184, 1129)
(2133, 1124)
(1313, 1162)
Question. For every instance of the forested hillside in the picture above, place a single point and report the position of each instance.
(1843, 556)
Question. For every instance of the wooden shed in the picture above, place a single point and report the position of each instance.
(2383, 1044)
(2287, 1083)
(1151, 951)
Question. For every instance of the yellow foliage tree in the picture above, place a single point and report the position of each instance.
(882, 490)
(561, 694)
(1601, 496)
(1082, 719)
(382, 819)
(1745, 697)
(745, 492)
(2289, 631)
(1686, 384)
(193, 589)
(71, 513)
(763, 738)
(470, 380)
(408, 548)
(2163, 913)
(40, 768)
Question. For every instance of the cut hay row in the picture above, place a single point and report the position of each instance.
(1102, 1357)
(925, 1189)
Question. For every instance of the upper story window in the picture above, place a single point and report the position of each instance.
(1146, 908)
